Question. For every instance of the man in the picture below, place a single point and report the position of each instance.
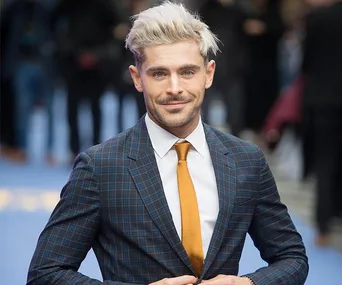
(322, 112)
(27, 67)
(125, 198)
(263, 27)
(85, 29)
(225, 17)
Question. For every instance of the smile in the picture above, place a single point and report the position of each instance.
(174, 105)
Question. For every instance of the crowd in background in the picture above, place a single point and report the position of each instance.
(80, 42)
(267, 47)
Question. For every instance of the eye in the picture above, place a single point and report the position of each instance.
(159, 74)
(188, 73)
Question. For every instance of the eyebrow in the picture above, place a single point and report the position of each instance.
(163, 68)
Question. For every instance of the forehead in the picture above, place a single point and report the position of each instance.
(173, 55)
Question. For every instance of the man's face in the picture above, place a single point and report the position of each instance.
(173, 79)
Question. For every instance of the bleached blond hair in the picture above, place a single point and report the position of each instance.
(169, 23)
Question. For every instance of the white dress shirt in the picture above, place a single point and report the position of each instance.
(201, 171)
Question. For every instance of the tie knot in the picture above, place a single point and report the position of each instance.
(182, 150)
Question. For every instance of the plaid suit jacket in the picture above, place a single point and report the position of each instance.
(114, 203)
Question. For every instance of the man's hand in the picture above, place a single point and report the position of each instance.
(181, 280)
(227, 280)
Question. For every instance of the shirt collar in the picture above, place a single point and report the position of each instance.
(162, 141)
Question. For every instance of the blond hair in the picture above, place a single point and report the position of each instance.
(166, 24)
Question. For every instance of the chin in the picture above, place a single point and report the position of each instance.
(175, 121)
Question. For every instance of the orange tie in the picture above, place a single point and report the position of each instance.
(191, 227)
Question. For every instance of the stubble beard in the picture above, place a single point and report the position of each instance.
(174, 119)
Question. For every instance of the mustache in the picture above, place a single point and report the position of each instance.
(173, 98)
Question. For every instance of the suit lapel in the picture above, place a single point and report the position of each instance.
(145, 174)
(225, 178)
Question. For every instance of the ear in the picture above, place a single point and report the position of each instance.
(211, 65)
(134, 71)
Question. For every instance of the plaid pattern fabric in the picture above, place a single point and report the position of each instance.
(114, 203)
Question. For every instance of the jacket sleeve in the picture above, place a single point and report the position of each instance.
(70, 231)
(276, 237)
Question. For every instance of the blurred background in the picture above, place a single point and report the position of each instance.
(65, 86)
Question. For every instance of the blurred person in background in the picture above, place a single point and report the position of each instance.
(7, 100)
(290, 45)
(123, 84)
(283, 119)
(307, 140)
(85, 30)
(27, 65)
(264, 28)
(226, 18)
(322, 110)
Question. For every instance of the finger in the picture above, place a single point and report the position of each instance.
(210, 280)
(219, 280)
(185, 279)
(182, 280)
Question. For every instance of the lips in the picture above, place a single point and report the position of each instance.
(175, 103)
(175, 106)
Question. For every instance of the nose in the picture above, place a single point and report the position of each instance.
(174, 86)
